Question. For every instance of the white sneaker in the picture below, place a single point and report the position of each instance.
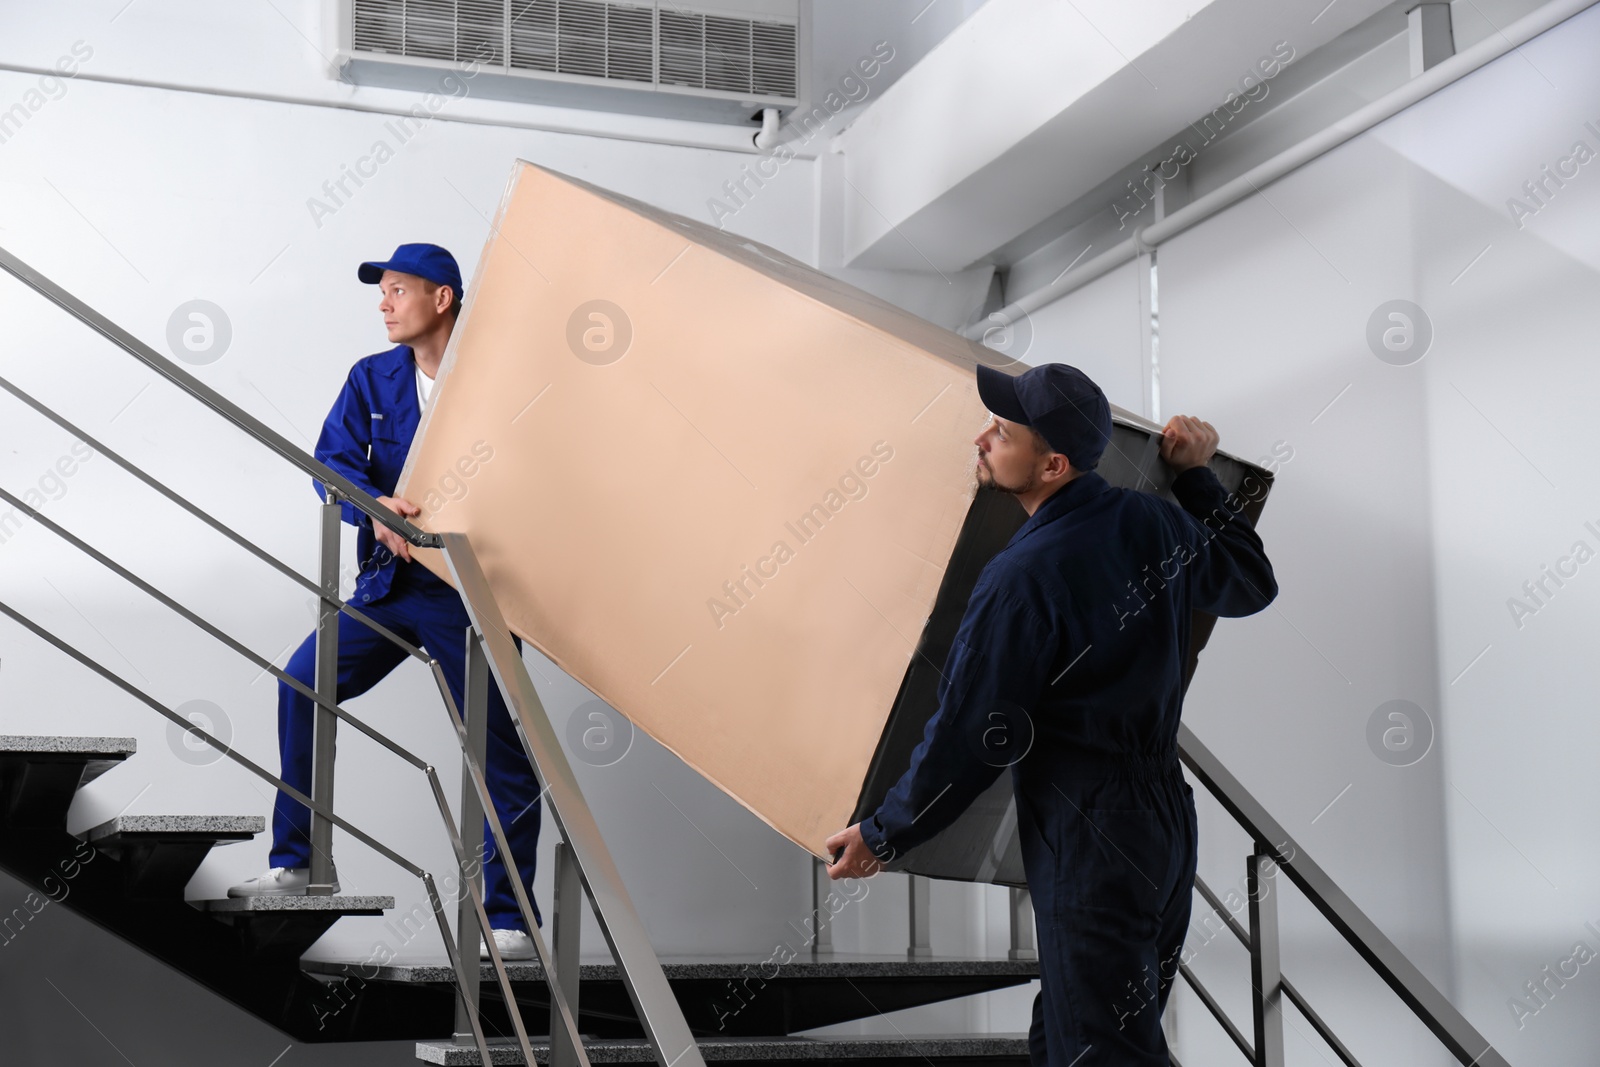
(513, 945)
(278, 882)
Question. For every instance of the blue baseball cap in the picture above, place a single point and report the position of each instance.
(1059, 401)
(423, 260)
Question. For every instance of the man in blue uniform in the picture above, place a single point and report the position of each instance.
(1073, 646)
(365, 438)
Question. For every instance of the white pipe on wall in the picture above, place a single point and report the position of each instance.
(767, 136)
(716, 138)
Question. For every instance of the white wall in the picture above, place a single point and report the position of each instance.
(1262, 328)
(1510, 384)
(1095, 329)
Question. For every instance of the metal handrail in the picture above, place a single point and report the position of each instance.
(166, 601)
(659, 1028)
(488, 639)
(278, 783)
(206, 517)
(471, 762)
(1414, 989)
(339, 490)
(214, 400)
(473, 768)
(478, 781)
(475, 771)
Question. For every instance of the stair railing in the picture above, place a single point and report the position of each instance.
(1273, 850)
(456, 962)
(583, 860)
(468, 1026)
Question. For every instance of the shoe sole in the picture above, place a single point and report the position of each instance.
(238, 895)
(518, 957)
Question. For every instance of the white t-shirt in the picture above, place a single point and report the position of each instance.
(424, 387)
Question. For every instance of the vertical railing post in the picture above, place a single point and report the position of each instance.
(1266, 976)
(821, 917)
(475, 713)
(323, 874)
(921, 926)
(568, 908)
(1022, 932)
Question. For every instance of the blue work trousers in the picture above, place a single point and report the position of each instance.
(425, 611)
(1110, 862)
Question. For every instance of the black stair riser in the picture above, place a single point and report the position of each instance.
(783, 1007)
(37, 791)
(212, 953)
(159, 868)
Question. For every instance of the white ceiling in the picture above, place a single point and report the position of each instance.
(1029, 104)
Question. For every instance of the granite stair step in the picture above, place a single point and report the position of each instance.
(279, 927)
(159, 854)
(40, 774)
(736, 996)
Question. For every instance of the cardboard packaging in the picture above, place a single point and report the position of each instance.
(732, 496)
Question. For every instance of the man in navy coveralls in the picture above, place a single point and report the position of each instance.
(1072, 648)
(365, 438)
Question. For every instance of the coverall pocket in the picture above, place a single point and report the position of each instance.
(383, 428)
(1120, 863)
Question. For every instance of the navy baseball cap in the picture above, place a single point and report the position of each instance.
(1059, 401)
(423, 260)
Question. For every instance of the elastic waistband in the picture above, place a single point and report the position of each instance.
(1092, 764)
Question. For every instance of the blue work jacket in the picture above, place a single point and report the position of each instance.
(365, 438)
(1068, 663)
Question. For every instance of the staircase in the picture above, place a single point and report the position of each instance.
(128, 876)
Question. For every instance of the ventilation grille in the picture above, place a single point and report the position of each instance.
(614, 42)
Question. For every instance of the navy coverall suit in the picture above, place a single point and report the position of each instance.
(1073, 644)
(365, 438)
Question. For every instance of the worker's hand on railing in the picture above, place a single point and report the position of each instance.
(1187, 442)
(387, 537)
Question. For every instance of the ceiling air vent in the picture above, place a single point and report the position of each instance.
(641, 58)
